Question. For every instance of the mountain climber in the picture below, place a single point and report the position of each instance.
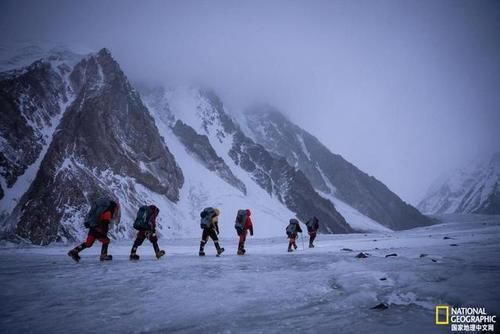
(312, 227)
(210, 224)
(243, 224)
(103, 212)
(292, 230)
(145, 224)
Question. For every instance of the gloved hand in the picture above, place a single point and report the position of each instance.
(151, 234)
(251, 233)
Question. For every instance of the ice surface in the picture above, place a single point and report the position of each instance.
(320, 290)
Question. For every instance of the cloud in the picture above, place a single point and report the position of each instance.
(403, 89)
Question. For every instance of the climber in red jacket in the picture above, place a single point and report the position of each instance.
(98, 220)
(243, 224)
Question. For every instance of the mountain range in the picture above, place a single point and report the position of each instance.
(73, 127)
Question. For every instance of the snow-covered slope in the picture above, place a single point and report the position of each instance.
(32, 102)
(105, 143)
(359, 196)
(203, 188)
(475, 189)
(14, 56)
(239, 179)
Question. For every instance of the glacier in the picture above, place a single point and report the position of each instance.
(321, 290)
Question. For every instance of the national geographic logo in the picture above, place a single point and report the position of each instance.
(442, 315)
(465, 319)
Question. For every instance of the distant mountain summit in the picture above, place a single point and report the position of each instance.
(471, 190)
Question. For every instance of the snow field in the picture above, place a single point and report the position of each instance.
(321, 290)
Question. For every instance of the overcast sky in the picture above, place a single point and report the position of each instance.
(405, 90)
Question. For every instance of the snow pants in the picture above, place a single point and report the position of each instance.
(291, 241)
(243, 236)
(312, 236)
(209, 232)
(98, 234)
(95, 233)
(141, 236)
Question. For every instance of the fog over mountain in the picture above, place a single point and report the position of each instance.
(403, 90)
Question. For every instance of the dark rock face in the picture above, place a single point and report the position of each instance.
(105, 131)
(200, 147)
(381, 306)
(290, 186)
(276, 176)
(29, 102)
(362, 255)
(361, 191)
(269, 171)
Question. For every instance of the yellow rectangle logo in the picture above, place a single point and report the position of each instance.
(440, 314)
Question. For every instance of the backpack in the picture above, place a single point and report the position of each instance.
(241, 219)
(96, 210)
(292, 227)
(206, 217)
(312, 224)
(141, 222)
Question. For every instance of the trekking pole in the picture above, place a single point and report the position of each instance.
(302, 238)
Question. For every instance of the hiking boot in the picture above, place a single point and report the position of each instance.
(105, 257)
(160, 254)
(201, 253)
(74, 255)
(290, 250)
(295, 247)
(134, 256)
(311, 246)
(220, 251)
(241, 251)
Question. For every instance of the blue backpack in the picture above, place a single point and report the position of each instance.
(292, 227)
(141, 221)
(312, 224)
(206, 217)
(241, 219)
(96, 210)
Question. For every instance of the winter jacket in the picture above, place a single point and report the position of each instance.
(297, 228)
(104, 220)
(312, 224)
(248, 223)
(152, 218)
(215, 221)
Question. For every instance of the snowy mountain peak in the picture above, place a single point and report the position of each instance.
(103, 143)
(331, 175)
(202, 124)
(23, 54)
(473, 189)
